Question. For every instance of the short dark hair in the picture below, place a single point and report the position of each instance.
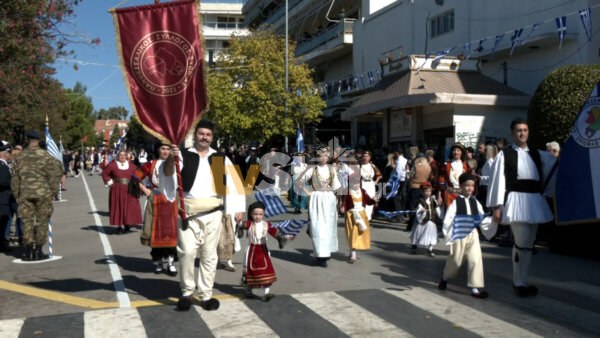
(516, 121)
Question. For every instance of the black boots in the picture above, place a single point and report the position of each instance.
(28, 254)
(33, 253)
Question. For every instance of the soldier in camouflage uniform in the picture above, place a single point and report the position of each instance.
(35, 182)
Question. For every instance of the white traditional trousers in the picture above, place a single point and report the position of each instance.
(470, 249)
(200, 239)
(524, 235)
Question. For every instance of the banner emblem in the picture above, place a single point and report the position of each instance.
(587, 127)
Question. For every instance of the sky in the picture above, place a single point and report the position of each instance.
(98, 66)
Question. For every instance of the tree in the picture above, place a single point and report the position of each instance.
(137, 136)
(112, 113)
(31, 38)
(247, 90)
(557, 102)
(78, 118)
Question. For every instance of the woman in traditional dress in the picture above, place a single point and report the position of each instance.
(322, 207)
(369, 178)
(448, 184)
(160, 217)
(298, 199)
(125, 210)
(357, 224)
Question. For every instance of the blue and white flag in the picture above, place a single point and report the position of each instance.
(586, 20)
(464, 224)
(480, 48)
(51, 146)
(439, 55)
(121, 141)
(371, 79)
(515, 40)
(273, 204)
(499, 38)
(299, 141)
(393, 185)
(578, 186)
(467, 50)
(561, 29)
(392, 214)
(534, 27)
(291, 227)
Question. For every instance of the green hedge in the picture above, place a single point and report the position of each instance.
(557, 101)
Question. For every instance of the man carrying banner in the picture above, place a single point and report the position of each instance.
(206, 199)
(515, 196)
(35, 182)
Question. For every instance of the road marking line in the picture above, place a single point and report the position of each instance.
(349, 317)
(10, 328)
(56, 296)
(117, 323)
(115, 273)
(461, 315)
(235, 319)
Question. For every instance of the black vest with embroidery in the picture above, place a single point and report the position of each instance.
(191, 162)
(433, 216)
(511, 163)
(461, 205)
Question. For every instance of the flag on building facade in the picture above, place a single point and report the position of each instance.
(515, 40)
(586, 21)
(561, 29)
(577, 178)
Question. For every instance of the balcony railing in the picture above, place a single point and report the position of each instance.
(280, 11)
(336, 31)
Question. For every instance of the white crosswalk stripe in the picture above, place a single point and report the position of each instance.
(464, 316)
(235, 319)
(11, 327)
(350, 318)
(117, 323)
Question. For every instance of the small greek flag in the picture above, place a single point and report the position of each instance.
(464, 224)
(480, 48)
(515, 40)
(561, 29)
(467, 50)
(273, 204)
(51, 146)
(392, 214)
(393, 185)
(586, 20)
(534, 27)
(439, 55)
(499, 38)
(371, 80)
(121, 141)
(290, 227)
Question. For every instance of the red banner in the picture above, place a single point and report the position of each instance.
(161, 57)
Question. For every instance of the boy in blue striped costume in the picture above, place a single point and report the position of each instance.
(462, 217)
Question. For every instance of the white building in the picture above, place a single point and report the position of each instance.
(220, 19)
(456, 101)
(322, 33)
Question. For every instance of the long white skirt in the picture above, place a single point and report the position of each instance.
(424, 235)
(322, 208)
(524, 207)
(369, 188)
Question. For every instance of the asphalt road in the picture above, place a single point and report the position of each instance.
(104, 285)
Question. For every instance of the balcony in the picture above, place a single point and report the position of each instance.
(279, 12)
(331, 39)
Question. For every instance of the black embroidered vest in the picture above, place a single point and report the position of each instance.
(461, 205)
(191, 162)
(433, 216)
(511, 163)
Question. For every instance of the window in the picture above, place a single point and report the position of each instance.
(442, 24)
(226, 22)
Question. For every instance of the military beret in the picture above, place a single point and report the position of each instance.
(32, 134)
(4, 146)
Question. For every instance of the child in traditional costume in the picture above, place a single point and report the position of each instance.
(462, 217)
(258, 268)
(357, 222)
(424, 233)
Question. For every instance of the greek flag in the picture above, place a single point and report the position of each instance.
(561, 29)
(392, 214)
(515, 40)
(467, 50)
(480, 48)
(51, 146)
(290, 227)
(273, 204)
(586, 20)
(439, 55)
(534, 27)
(121, 141)
(299, 141)
(393, 185)
(499, 38)
(464, 224)
(371, 80)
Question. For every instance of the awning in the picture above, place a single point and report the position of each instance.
(412, 88)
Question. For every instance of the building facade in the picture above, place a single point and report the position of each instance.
(452, 99)
(220, 19)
